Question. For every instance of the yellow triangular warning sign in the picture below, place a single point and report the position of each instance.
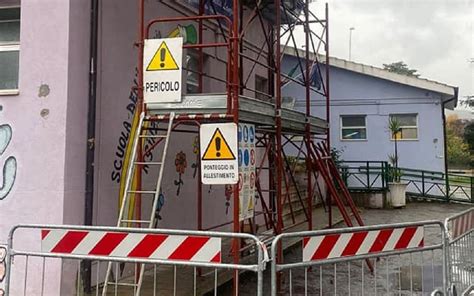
(162, 60)
(218, 149)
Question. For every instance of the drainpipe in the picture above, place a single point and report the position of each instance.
(443, 113)
(91, 119)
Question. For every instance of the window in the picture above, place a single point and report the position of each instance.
(353, 127)
(261, 87)
(408, 126)
(9, 48)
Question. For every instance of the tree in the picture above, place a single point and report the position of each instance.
(456, 125)
(401, 68)
(395, 129)
(458, 148)
(468, 101)
(458, 151)
(469, 139)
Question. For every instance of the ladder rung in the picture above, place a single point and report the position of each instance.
(147, 163)
(142, 191)
(325, 157)
(152, 136)
(135, 221)
(143, 131)
(124, 284)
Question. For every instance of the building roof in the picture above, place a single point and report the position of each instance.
(450, 93)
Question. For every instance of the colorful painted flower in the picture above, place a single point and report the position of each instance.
(180, 162)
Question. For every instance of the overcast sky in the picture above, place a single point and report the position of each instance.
(436, 37)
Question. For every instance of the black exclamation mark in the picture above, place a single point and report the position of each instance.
(162, 57)
(218, 147)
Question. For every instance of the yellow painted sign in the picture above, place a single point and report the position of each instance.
(218, 149)
(163, 60)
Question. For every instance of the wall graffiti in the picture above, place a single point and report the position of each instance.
(10, 164)
(3, 254)
(122, 150)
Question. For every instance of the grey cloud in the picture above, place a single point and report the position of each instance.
(433, 36)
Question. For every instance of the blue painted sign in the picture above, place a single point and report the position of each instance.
(213, 7)
(252, 134)
(246, 157)
(247, 176)
(246, 133)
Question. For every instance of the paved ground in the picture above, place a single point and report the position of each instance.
(415, 211)
(415, 274)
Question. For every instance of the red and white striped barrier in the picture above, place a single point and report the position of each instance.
(132, 245)
(462, 224)
(361, 243)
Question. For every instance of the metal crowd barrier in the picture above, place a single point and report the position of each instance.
(468, 291)
(427, 258)
(372, 260)
(176, 261)
(460, 228)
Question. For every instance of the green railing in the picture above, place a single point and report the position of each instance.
(365, 175)
(370, 176)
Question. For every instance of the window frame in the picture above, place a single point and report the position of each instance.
(11, 46)
(341, 127)
(407, 126)
(194, 54)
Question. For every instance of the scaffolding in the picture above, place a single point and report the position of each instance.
(277, 126)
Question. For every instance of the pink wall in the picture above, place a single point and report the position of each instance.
(47, 121)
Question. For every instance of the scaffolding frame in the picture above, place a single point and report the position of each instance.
(279, 34)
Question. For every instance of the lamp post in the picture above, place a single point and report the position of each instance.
(350, 42)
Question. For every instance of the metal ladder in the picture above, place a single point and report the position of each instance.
(325, 164)
(123, 221)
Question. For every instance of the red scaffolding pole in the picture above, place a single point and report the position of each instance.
(267, 56)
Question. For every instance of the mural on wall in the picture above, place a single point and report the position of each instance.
(161, 203)
(10, 164)
(181, 164)
(188, 33)
(195, 165)
(3, 254)
(223, 7)
(123, 151)
(315, 79)
(124, 148)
